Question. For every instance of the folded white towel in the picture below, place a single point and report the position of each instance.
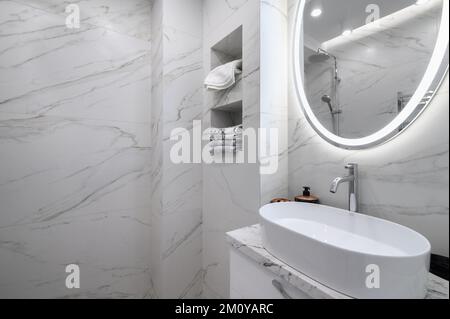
(224, 76)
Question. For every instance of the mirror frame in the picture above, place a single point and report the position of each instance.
(435, 74)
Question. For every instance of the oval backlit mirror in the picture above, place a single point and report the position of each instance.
(364, 69)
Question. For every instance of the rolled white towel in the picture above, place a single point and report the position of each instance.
(223, 149)
(219, 137)
(224, 76)
(234, 142)
(227, 141)
(213, 131)
(211, 136)
(232, 137)
(233, 130)
(230, 133)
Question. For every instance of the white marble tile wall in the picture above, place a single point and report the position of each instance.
(231, 193)
(75, 149)
(405, 180)
(177, 189)
(274, 94)
(157, 140)
(375, 63)
(126, 17)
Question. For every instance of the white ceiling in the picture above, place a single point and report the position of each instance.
(338, 15)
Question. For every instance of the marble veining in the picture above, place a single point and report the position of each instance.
(249, 242)
(75, 150)
(404, 180)
(274, 97)
(129, 18)
(231, 193)
(176, 189)
(375, 64)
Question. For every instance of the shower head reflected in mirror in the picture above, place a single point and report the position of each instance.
(327, 99)
(321, 56)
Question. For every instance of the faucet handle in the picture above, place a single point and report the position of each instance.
(351, 166)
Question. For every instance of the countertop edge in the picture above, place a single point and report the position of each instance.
(249, 242)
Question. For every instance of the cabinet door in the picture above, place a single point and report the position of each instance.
(248, 280)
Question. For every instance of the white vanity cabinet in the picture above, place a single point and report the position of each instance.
(249, 280)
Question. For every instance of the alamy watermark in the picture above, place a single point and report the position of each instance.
(374, 12)
(258, 146)
(373, 280)
(73, 277)
(73, 18)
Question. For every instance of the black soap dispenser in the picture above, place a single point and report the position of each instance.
(307, 197)
(307, 191)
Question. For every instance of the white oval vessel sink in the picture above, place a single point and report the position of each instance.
(347, 251)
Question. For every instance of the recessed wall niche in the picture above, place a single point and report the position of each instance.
(227, 116)
(227, 105)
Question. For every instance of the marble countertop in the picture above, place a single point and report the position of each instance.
(249, 242)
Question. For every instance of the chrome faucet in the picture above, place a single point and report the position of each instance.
(352, 180)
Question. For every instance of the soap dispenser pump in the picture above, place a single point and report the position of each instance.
(307, 191)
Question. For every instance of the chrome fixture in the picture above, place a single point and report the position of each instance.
(352, 180)
(327, 99)
(321, 56)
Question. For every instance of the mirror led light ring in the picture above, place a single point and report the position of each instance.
(436, 71)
